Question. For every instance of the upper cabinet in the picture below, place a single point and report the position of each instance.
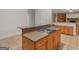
(72, 15)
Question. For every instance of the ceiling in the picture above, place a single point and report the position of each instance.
(65, 10)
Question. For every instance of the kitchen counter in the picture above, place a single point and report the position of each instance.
(43, 37)
(65, 28)
(41, 40)
(37, 35)
(30, 26)
(66, 24)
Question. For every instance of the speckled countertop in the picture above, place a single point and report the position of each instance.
(36, 35)
(30, 26)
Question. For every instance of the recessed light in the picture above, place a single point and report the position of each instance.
(70, 10)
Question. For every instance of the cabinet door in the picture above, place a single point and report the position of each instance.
(50, 42)
(42, 44)
(62, 29)
(57, 40)
(27, 44)
(54, 40)
(69, 30)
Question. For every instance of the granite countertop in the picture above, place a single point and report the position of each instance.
(30, 26)
(36, 35)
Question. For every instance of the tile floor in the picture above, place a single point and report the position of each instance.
(15, 43)
(70, 42)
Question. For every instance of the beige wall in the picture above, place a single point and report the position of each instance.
(10, 19)
(31, 13)
(43, 16)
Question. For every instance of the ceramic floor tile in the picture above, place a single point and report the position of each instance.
(15, 43)
(70, 42)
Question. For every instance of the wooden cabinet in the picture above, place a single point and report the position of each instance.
(50, 42)
(67, 30)
(57, 40)
(27, 44)
(41, 45)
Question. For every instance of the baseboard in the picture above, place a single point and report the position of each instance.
(10, 35)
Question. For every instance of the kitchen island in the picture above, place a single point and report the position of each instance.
(43, 37)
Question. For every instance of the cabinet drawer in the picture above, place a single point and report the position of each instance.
(41, 44)
(41, 47)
